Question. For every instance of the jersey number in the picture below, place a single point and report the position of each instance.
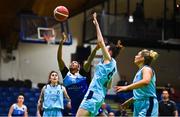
(111, 73)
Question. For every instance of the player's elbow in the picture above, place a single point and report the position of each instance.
(146, 82)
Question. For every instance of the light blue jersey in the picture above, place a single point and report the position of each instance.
(98, 87)
(146, 91)
(145, 103)
(18, 111)
(53, 97)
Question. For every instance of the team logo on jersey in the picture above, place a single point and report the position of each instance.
(58, 91)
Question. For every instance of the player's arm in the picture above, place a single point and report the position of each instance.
(146, 74)
(127, 103)
(59, 53)
(100, 40)
(176, 113)
(25, 112)
(67, 97)
(87, 63)
(10, 111)
(109, 84)
(65, 94)
(40, 102)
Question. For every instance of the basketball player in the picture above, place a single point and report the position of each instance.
(51, 97)
(143, 86)
(102, 78)
(76, 79)
(18, 109)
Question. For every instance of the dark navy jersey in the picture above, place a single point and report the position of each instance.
(76, 86)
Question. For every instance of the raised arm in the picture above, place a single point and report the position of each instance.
(87, 63)
(40, 102)
(59, 53)
(100, 40)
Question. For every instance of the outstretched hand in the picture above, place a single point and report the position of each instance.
(120, 88)
(95, 18)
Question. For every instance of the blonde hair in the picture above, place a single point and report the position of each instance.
(149, 56)
(154, 55)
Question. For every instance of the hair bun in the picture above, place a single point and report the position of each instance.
(154, 54)
(119, 45)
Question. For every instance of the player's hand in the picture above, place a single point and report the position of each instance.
(69, 105)
(95, 19)
(120, 88)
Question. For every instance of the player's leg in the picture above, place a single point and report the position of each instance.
(82, 112)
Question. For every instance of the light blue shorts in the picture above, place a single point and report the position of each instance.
(146, 107)
(52, 113)
(91, 105)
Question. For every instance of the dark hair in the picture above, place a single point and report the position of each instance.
(165, 89)
(115, 50)
(50, 76)
(20, 94)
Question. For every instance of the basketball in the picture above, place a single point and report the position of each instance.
(61, 13)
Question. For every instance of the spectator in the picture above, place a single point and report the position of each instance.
(111, 114)
(139, 12)
(167, 107)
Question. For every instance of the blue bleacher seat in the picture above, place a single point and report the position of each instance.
(23, 89)
(32, 112)
(9, 96)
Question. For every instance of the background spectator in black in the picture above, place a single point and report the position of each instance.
(167, 107)
(139, 11)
